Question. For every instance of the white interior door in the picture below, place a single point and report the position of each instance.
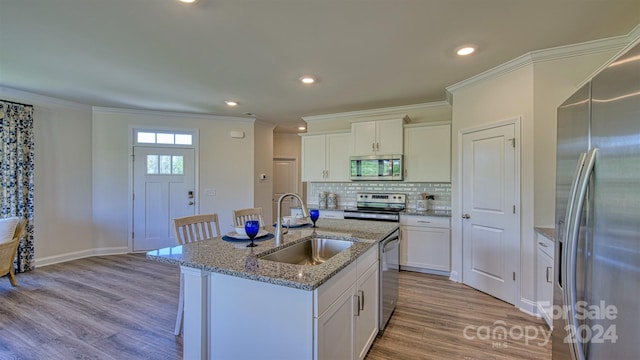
(285, 180)
(490, 232)
(163, 189)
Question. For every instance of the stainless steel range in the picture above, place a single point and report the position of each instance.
(377, 206)
(383, 207)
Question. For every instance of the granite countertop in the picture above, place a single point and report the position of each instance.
(234, 258)
(548, 232)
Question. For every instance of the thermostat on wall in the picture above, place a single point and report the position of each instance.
(237, 134)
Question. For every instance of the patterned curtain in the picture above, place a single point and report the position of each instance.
(16, 173)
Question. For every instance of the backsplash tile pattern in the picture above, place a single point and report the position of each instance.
(346, 192)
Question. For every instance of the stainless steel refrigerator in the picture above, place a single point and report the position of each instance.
(597, 257)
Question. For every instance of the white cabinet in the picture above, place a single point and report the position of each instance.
(427, 153)
(544, 277)
(367, 311)
(326, 157)
(335, 328)
(381, 137)
(425, 244)
(348, 326)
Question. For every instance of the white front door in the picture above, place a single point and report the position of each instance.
(285, 180)
(490, 230)
(163, 189)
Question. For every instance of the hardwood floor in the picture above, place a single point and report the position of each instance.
(109, 307)
(123, 307)
(431, 317)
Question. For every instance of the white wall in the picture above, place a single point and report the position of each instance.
(532, 93)
(226, 164)
(289, 146)
(263, 163)
(554, 82)
(493, 100)
(62, 177)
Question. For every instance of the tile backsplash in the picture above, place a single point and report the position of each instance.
(346, 192)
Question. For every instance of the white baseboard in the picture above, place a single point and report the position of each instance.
(529, 307)
(454, 276)
(55, 259)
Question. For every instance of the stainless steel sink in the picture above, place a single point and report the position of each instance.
(310, 252)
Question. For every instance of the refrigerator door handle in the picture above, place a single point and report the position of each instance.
(565, 236)
(571, 241)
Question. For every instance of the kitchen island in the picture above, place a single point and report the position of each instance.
(238, 305)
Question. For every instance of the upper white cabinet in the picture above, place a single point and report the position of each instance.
(427, 153)
(380, 137)
(326, 157)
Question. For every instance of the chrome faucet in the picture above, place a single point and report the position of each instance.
(305, 213)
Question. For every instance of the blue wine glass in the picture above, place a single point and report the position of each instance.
(314, 214)
(252, 227)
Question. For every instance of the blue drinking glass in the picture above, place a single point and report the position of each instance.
(314, 214)
(252, 227)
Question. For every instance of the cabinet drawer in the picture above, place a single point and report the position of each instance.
(430, 221)
(328, 292)
(545, 244)
(366, 260)
(331, 214)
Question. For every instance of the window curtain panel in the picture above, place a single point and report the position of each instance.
(16, 174)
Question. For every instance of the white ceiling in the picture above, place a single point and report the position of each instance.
(164, 55)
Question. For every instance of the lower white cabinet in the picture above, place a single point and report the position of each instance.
(425, 244)
(347, 321)
(544, 277)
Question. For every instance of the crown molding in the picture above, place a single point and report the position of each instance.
(108, 110)
(556, 53)
(40, 100)
(375, 114)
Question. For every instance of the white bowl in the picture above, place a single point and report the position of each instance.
(240, 230)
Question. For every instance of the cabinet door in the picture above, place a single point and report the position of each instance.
(313, 158)
(544, 285)
(338, 149)
(363, 136)
(335, 328)
(367, 317)
(389, 134)
(427, 153)
(425, 248)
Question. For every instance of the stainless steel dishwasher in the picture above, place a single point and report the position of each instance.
(389, 268)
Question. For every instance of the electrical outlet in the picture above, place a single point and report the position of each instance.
(210, 192)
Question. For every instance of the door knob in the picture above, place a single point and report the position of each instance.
(191, 203)
(466, 216)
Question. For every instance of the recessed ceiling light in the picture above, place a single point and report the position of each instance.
(302, 128)
(231, 102)
(307, 79)
(188, 1)
(465, 50)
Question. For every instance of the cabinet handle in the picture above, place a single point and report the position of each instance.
(405, 172)
(542, 244)
(549, 277)
(361, 297)
(424, 222)
(373, 146)
(377, 146)
(357, 312)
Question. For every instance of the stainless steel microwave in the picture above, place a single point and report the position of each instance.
(376, 167)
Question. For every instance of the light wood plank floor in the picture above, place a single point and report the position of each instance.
(123, 307)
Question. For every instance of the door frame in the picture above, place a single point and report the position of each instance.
(131, 143)
(457, 274)
(298, 182)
